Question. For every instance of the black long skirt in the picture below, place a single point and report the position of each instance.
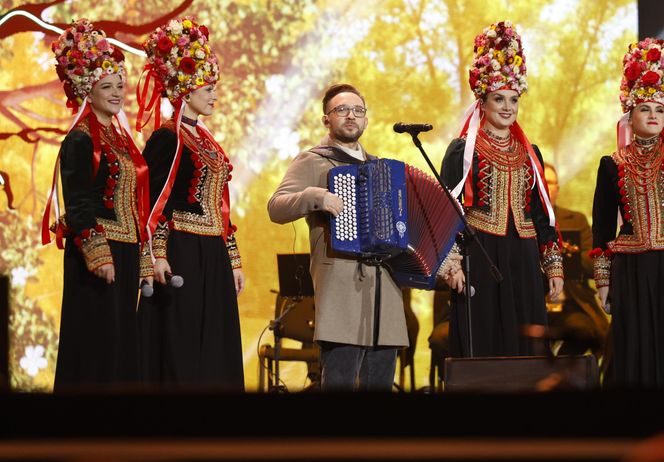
(499, 311)
(637, 307)
(98, 327)
(191, 335)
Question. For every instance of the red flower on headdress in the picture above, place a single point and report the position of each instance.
(633, 71)
(164, 44)
(117, 55)
(653, 54)
(474, 77)
(188, 65)
(650, 78)
(205, 31)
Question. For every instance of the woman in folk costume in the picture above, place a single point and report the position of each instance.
(499, 176)
(192, 333)
(629, 200)
(106, 198)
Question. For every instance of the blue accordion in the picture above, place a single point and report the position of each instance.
(395, 211)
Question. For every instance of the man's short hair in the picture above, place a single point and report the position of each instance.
(334, 90)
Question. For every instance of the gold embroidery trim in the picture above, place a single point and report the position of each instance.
(646, 210)
(602, 270)
(160, 239)
(552, 261)
(233, 252)
(124, 227)
(506, 191)
(95, 249)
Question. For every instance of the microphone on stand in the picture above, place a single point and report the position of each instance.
(412, 129)
(174, 280)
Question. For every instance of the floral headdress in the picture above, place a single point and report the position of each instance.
(180, 55)
(643, 80)
(83, 57)
(498, 61)
(642, 74)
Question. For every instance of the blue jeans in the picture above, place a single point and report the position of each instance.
(357, 368)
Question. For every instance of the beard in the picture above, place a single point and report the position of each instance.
(346, 137)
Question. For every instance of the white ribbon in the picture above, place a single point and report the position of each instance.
(469, 149)
(624, 131)
(544, 194)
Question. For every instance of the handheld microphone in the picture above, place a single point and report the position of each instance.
(174, 280)
(412, 129)
(146, 289)
(472, 291)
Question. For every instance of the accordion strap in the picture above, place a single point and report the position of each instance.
(334, 153)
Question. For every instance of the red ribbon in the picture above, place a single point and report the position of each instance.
(151, 105)
(165, 193)
(96, 142)
(523, 139)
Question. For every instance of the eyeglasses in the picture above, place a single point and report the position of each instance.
(343, 111)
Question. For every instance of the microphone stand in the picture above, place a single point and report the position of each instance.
(275, 327)
(468, 237)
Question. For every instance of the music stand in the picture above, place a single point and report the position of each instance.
(294, 277)
(294, 282)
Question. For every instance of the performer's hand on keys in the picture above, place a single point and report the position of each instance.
(161, 267)
(332, 203)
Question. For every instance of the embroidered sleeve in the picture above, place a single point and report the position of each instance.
(233, 252)
(552, 260)
(146, 266)
(601, 266)
(94, 247)
(160, 238)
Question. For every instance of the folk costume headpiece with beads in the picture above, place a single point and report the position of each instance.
(179, 61)
(84, 56)
(498, 64)
(642, 81)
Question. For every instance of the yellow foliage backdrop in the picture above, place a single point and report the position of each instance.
(408, 57)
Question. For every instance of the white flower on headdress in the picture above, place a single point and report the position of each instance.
(200, 54)
(491, 33)
(33, 360)
(175, 26)
(495, 65)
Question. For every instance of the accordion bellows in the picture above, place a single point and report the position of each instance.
(398, 213)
